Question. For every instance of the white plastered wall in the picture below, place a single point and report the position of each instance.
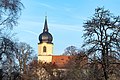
(45, 56)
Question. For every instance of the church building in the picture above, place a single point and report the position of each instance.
(45, 49)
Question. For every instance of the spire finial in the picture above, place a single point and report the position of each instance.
(46, 18)
(45, 25)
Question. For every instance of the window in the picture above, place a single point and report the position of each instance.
(44, 49)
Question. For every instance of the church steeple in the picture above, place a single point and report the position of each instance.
(45, 36)
(45, 45)
(45, 25)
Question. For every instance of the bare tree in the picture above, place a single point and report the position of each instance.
(71, 50)
(23, 55)
(40, 71)
(7, 54)
(76, 68)
(10, 10)
(102, 37)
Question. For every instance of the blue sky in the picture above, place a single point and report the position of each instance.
(65, 20)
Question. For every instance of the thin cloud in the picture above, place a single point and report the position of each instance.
(36, 34)
(46, 5)
(60, 26)
(68, 9)
(68, 27)
(79, 17)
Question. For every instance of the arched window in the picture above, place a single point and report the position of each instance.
(44, 49)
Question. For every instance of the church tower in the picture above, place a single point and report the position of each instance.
(45, 45)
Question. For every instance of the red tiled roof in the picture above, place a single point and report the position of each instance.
(60, 61)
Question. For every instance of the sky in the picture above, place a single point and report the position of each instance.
(65, 20)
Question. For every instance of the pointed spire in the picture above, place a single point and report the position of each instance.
(45, 25)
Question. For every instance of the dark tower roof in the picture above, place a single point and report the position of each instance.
(45, 25)
(45, 36)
